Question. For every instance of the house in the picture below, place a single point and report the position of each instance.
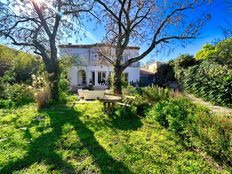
(93, 69)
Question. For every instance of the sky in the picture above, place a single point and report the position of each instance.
(218, 9)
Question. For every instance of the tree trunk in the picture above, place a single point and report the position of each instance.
(117, 83)
(54, 74)
(53, 77)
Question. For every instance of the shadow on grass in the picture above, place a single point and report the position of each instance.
(43, 148)
(125, 120)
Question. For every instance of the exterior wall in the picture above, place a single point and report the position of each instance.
(133, 74)
(92, 62)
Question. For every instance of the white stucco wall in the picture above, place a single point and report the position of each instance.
(90, 59)
(133, 73)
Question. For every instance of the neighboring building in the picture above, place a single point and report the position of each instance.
(147, 73)
(152, 66)
(94, 69)
(146, 77)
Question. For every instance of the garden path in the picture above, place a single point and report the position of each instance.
(214, 108)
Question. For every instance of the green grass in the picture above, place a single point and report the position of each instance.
(85, 140)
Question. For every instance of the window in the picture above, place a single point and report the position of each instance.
(101, 77)
(126, 77)
(83, 78)
(93, 77)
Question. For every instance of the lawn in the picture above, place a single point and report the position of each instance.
(83, 139)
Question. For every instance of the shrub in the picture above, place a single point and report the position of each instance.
(153, 94)
(209, 78)
(164, 75)
(221, 52)
(210, 81)
(19, 94)
(207, 51)
(43, 97)
(196, 126)
(182, 62)
(6, 103)
(147, 96)
(212, 134)
(173, 114)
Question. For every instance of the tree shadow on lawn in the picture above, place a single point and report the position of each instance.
(43, 148)
(125, 120)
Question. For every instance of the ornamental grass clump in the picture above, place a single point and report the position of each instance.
(43, 97)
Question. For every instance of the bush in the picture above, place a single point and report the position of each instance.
(19, 94)
(173, 114)
(153, 94)
(196, 126)
(210, 81)
(182, 62)
(147, 96)
(164, 75)
(221, 52)
(209, 78)
(6, 104)
(43, 97)
(212, 134)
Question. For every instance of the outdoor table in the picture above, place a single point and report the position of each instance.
(109, 101)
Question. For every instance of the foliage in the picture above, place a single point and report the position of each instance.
(6, 103)
(164, 75)
(173, 114)
(14, 94)
(24, 65)
(65, 63)
(212, 134)
(196, 127)
(210, 81)
(182, 62)
(7, 79)
(21, 63)
(210, 78)
(20, 94)
(147, 96)
(85, 140)
(221, 52)
(17, 95)
(207, 51)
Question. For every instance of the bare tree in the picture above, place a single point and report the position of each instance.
(39, 25)
(157, 23)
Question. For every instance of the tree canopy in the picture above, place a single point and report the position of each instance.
(156, 24)
(39, 25)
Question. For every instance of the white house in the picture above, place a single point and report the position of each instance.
(93, 68)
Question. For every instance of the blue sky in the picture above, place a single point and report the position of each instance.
(219, 10)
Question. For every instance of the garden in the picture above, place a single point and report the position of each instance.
(163, 132)
(46, 128)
